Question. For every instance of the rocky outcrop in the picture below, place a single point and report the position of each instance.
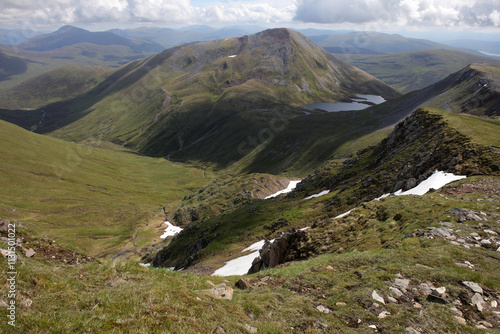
(285, 248)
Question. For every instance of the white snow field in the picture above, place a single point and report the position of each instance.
(324, 192)
(288, 189)
(171, 230)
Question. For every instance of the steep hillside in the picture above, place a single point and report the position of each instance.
(11, 65)
(98, 198)
(414, 70)
(425, 142)
(415, 264)
(473, 90)
(60, 84)
(204, 100)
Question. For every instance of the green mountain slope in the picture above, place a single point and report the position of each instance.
(213, 94)
(427, 141)
(68, 46)
(60, 84)
(99, 198)
(414, 70)
(473, 90)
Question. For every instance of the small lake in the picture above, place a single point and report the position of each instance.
(360, 102)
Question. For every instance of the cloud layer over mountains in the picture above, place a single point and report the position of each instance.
(396, 13)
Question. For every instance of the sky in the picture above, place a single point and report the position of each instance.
(369, 15)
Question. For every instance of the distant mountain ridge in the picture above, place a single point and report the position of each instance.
(202, 100)
(409, 71)
(69, 35)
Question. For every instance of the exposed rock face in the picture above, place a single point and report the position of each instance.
(283, 249)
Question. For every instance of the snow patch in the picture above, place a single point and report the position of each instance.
(232, 56)
(242, 264)
(171, 230)
(324, 192)
(437, 180)
(238, 266)
(292, 185)
(254, 247)
(343, 214)
(145, 265)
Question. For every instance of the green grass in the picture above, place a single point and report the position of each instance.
(62, 83)
(92, 198)
(124, 297)
(85, 54)
(483, 131)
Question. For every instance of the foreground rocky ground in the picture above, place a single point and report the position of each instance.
(414, 264)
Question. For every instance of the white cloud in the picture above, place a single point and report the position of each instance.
(44, 12)
(247, 13)
(427, 13)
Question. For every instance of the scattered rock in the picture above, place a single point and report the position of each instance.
(465, 214)
(4, 225)
(392, 300)
(485, 242)
(477, 301)
(494, 304)
(473, 286)
(219, 330)
(402, 284)
(323, 309)
(29, 253)
(4, 253)
(285, 248)
(440, 291)
(340, 304)
(461, 320)
(485, 324)
(243, 285)
(491, 232)
(396, 292)
(329, 268)
(120, 321)
(377, 297)
(434, 298)
(426, 288)
(383, 315)
(441, 232)
(466, 264)
(3, 303)
(411, 330)
(27, 302)
(456, 311)
(417, 305)
(250, 328)
(222, 291)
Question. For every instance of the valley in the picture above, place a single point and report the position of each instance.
(208, 187)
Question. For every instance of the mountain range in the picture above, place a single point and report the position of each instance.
(176, 102)
(99, 162)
